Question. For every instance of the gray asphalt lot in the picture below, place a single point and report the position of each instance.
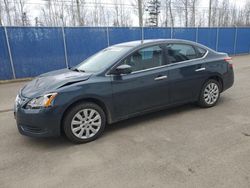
(181, 147)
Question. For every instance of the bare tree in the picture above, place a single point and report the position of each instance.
(80, 11)
(1, 14)
(185, 2)
(193, 5)
(119, 13)
(181, 7)
(209, 13)
(167, 7)
(55, 13)
(223, 13)
(38, 23)
(21, 13)
(247, 14)
(171, 13)
(213, 10)
(140, 15)
(139, 7)
(165, 13)
(122, 15)
(7, 10)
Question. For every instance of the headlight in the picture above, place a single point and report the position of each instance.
(42, 102)
(17, 99)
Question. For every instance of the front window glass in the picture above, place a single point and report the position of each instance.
(102, 59)
(145, 58)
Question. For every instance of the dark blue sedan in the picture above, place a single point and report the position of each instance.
(119, 82)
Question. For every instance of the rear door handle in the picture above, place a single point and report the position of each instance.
(200, 69)
(160, 78)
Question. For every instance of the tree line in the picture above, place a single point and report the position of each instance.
(118, 13)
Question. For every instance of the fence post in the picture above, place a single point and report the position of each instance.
(197, 34)
(171, 32)
(10, 54)
(107, 31)
(217, 39)
(142, 34)
(235, 39)
(65, 48)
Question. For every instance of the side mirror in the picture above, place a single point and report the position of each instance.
(122, 69)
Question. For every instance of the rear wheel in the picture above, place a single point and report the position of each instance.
(210, 94)
(85, 122)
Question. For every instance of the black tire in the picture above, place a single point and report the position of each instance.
(71, 114)
(202, 102)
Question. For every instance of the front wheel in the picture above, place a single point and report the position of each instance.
(210, 94)
(84, 122)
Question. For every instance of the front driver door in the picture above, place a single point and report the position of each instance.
(146, 87)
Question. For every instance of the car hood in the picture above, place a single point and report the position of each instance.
(51, 81)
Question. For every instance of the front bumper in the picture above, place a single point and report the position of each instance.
(38, 122)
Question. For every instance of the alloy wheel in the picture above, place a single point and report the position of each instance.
(211, 93)
(86, 123)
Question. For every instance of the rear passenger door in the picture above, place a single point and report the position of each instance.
(186, 71)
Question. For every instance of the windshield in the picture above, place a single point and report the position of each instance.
(102, 59)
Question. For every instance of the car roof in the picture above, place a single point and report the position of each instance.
(141, 43)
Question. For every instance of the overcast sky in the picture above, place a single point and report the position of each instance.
(34, 6)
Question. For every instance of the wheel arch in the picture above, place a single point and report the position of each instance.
(218, 79)
(88, 99)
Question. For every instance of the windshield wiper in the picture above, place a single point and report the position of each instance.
(76, 69)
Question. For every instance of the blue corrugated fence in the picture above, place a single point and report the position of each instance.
(35, 50)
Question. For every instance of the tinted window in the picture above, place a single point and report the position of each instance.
(200, 52)
(145, 58)
(180, 52)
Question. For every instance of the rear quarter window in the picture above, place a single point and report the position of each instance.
(200, 52)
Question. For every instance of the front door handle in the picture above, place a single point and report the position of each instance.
(200, 69)
(160, 78)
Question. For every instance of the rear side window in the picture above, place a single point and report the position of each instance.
(182, 52)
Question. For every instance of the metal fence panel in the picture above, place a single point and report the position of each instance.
(243, 41)
(83, 42)
(124, 34)
(185, 33)
(36, 50)
(157, 33)
(207, 37)
(226, 38)
(5, 66)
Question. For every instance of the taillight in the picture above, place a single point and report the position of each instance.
(229, 60)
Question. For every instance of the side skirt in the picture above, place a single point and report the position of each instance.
(154, 109)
